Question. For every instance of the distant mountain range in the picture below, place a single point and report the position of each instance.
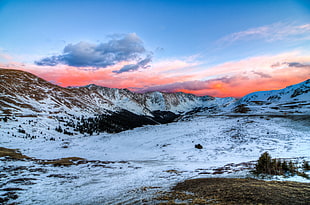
(24, 94)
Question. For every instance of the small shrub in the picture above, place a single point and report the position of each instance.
(269, 166)
(59, 129)
(264, 164)
(306, 165)
(21, 131)
(285, 166)
(66, 132)
(198, 146)
(291, 168)
(242, 109)
(303, 174)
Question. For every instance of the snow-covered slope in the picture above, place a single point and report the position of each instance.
(22, 93)
(25, 94)
(298, 92)
(294, 99)
(132, 166)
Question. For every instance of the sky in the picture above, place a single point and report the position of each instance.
(222, 48)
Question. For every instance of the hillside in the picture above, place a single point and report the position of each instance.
(94, 108)
(291, 100)
(23, 92)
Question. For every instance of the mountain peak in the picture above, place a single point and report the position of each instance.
(26, 93)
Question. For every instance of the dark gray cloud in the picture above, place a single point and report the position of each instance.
(127, 47)
(296, 64)
(132, 67)
(190, 85)
(50, 61)
(291, 64)
(262, 75)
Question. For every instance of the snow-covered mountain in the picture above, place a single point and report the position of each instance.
(23, 93)
(294, 99)
(146, 103)
(298, 92)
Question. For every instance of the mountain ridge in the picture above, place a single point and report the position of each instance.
(99, 108)
(27, 87)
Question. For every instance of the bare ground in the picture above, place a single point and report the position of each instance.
(237, 191)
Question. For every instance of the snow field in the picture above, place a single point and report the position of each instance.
(155, 157)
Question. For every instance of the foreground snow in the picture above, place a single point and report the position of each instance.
(145, 160)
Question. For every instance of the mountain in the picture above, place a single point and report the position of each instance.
(110, 109)
(24, 94)
(145, 104)
(294, 99)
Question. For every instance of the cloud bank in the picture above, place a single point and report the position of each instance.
(128, 48)
(230, 79)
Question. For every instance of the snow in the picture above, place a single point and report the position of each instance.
(286, 94)
(128, 167)
(143, 157)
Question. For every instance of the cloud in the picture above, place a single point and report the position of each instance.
(214, 87)
(234, 78)
(273, 32)
(84, 54)
(238, 78)
(132, 67)
(195, 85)
(296, 64)
(174, 87)
(290, 64)
(262, 75)
(50, 61)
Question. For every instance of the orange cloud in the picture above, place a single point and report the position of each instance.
(235, 79)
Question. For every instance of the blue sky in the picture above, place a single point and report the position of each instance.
(203, 35)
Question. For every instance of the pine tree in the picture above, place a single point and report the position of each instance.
(264, 164)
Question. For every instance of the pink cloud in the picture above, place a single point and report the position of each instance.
(236, 78)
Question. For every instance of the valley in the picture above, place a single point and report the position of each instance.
(134, 166)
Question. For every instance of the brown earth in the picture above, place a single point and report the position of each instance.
(15, 154)
(237, 191)
(12, 153)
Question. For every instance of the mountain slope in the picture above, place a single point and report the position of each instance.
(148, 102)
(293, 99)
(94, 108)
(22, 92)
(298, 92)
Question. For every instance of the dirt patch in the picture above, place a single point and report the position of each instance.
(65, 161)
(173, 171)
(237, 191)
(12, 153)
(22, 181)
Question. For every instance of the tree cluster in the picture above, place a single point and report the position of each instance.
(120, 121)
(269, 166)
